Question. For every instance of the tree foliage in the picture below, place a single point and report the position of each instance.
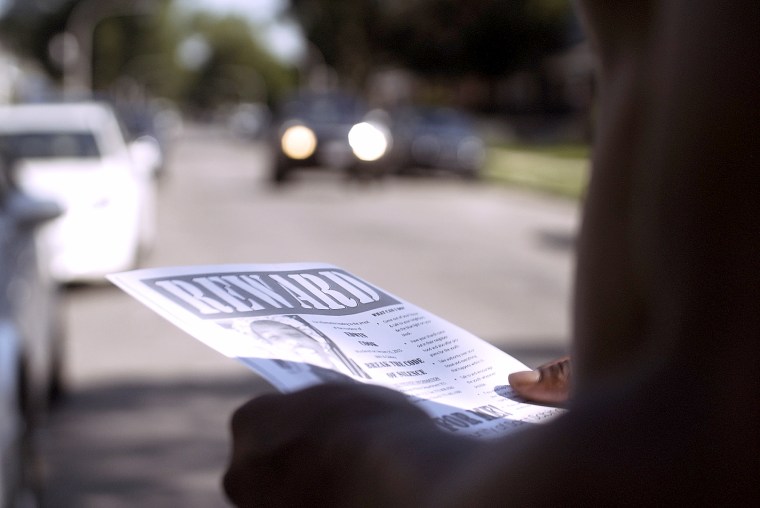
(342, 34)
(486, 38)
(141, 50)
(438, 39)
(237, 68)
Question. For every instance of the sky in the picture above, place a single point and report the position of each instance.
(281, 36)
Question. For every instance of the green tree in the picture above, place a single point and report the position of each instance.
(342, 34)
(235, 69)
(116, 35)
(141, 51)
(488, 38)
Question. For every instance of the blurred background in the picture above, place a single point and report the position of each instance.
(437, 148)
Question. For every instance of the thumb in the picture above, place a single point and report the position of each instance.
(548, 384)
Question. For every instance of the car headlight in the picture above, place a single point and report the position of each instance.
(369, 142)
(298, 142)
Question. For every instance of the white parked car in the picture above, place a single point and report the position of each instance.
(77, 155)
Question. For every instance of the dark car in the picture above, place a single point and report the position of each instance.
(436, 138)
(327, 130)
(30, 338)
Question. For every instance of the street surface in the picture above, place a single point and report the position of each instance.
(146, 420)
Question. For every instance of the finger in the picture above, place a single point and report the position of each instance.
(548, 384)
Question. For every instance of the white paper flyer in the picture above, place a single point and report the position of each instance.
(301, 324)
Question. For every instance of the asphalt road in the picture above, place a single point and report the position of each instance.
(145, 421)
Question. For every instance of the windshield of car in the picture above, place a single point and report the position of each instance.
(325, 109)
(440, 120)
(50, 145)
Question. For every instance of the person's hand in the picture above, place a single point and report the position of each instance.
(333, 445)
(548, 384)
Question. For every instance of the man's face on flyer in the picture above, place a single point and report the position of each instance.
(305, 347)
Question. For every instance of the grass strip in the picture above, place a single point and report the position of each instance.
(560, 171)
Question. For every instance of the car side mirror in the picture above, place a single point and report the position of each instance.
(30, 212)
(146, 154)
